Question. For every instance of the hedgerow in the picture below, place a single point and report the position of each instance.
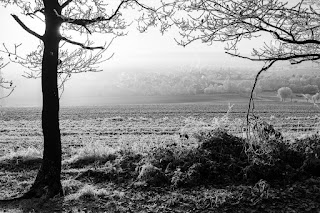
(221, 158)
(212, 156)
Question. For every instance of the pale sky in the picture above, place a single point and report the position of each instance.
(136, 51)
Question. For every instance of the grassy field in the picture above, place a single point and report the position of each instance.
(130, 158)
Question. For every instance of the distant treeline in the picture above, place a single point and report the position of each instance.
(211, 82)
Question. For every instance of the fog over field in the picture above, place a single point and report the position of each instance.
(151, 85)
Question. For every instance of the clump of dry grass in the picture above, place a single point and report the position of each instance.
(71, 186)
(194, 126)
(88, 192)
(92, 152)
(28, 155)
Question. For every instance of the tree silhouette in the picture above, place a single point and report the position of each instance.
(60, 16)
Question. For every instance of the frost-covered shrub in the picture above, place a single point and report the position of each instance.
(92, 152)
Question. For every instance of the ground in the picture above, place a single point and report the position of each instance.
(107, 187)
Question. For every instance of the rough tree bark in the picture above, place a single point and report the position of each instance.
(48, 182)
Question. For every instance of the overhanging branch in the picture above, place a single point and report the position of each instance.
(311, 57)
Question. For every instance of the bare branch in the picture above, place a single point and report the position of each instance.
(35, 12)
(2, 65)
(26, 28)
(80, 44)
(31, 61)
(85, 22)
(11, 91)
(304, 57)
(144, 6)
(8, 85)
(66, 3)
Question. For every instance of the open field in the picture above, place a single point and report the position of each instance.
(140, 129)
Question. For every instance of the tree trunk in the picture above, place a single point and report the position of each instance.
(48, 182)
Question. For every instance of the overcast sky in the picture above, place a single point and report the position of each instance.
(148, 51)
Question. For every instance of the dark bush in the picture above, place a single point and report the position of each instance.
(309, 153)
(221, 158)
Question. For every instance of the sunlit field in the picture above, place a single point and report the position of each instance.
(111, 152)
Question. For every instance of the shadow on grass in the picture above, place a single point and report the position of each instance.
(32, 205)
(17, 164)
(22, 159)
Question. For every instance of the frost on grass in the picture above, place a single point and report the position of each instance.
(31, 155)
(145, 144)
(117, 118)
(71, 186)
(194, 126)
(92, 152)
(88, 192)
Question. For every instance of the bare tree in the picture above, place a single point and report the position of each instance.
(59, 17)
(295, 28)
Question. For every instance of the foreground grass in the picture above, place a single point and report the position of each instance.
(205, 170)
